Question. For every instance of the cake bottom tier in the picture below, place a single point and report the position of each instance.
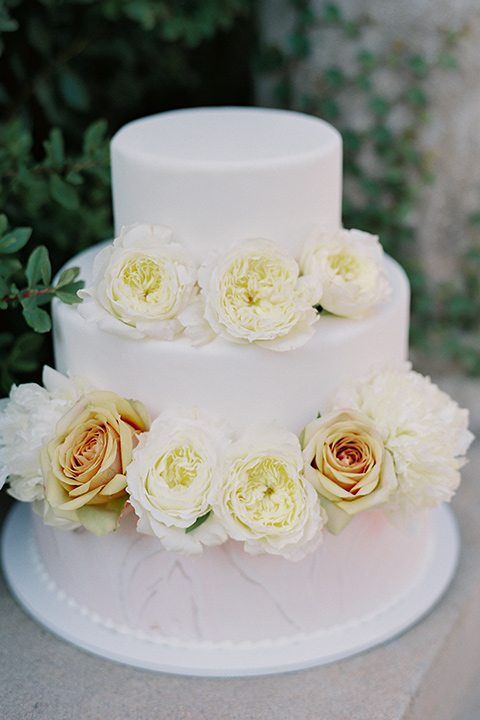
(129, 581)
(45, 589)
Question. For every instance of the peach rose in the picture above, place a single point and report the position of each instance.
(84, 465)
(347, 463)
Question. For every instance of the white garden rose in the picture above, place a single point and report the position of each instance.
(349, 265)
(28, 418)
(348, 465)
(170, 481)
(263, 498)
(422, 427)
(254, 294)
(141, 284)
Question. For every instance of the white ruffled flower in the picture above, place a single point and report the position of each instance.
(253, 293)
(349, 265)
(421, 426)
(141, 284)
(28, 418)
(264, 500)
(170, 481)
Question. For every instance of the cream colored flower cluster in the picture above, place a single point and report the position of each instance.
(147, 285)
(392, 441)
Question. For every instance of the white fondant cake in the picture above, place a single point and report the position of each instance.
(216, 178)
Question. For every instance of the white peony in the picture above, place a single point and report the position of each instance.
(421, 426)
(170, 481)
(28, 418)
(253, 293)
(263, 498)
(349, 265)
(141, 284)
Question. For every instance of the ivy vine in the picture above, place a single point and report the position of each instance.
(385, 169)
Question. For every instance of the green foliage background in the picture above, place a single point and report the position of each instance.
(71, 73)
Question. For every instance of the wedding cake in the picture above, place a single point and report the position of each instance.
(232, 451)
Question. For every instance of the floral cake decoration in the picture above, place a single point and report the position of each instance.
(146, 285)
(390, 441)
(85, 456)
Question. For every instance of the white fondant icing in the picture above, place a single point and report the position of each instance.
(215, 176)
(127, 580)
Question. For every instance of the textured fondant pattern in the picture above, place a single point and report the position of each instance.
(129, 580)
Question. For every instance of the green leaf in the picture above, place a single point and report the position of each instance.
(419, 65)
(55, 148)
(329, 107)
(269, 59)
(38, 320)
(333, 14)
(367, 59)
(379, 105)
(4, 288)
(73, 177)
(101, 519)
(416, 96)
(338, 519)
(40, 34)
(94, 136)
(38, 267)
(335, 77)
(9, 266)
(352, 140)
(351, 28)
(448, 60)
(63, 193)
(15, 240)
(199, 521)
(74, 90)
(299, 44)
(7, 23)
(67, 276)
(68, 294)
(364, 83)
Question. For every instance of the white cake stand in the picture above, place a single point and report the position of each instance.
(63, 618)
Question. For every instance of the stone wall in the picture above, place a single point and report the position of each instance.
(450, 137)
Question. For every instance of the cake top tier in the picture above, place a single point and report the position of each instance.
(216, 175)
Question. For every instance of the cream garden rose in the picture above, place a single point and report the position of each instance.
(141, 284)
(349, 265)
(84, 464)
(263, 499)
(346, 462)
(170, 480)
(254, 294)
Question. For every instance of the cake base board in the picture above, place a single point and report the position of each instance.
(65, 620)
